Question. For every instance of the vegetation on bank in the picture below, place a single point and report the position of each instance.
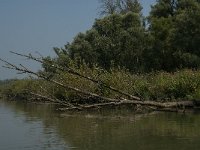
(124, 56)
(158, 86)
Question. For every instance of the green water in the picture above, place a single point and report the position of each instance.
(40, 127)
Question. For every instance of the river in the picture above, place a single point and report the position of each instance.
(40, 127)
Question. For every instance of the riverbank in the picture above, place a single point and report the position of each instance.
(181, 88)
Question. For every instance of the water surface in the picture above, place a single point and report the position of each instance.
(39, 127)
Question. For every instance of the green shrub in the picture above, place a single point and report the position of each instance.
(159, 86)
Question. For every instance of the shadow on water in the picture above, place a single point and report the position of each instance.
(110, 130)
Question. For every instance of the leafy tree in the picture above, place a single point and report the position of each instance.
(125, 6)
(109, 7)
(174, 26)
(116, 40)
(164, 8)
(186, 32)
(161, 28)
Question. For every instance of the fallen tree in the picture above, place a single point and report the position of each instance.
(102, 101)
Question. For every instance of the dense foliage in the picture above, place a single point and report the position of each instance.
(168, 39)
(174, 26)
(160, 86)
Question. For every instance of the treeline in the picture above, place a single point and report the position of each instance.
(168, 39)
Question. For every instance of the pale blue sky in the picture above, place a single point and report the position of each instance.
(27, 26)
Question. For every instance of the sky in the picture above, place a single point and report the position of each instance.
(36, 26)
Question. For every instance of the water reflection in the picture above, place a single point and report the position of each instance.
(41, 127)
(19, 131)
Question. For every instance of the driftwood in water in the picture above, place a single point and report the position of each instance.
(167, 106)
(156, 105)
(55, 101)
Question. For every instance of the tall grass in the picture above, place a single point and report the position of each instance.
(157, 86)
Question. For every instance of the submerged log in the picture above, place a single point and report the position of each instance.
(155, 106)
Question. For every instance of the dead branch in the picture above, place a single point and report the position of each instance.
(61, 103)
(49, 99)
(72, 71)
(26, 70)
